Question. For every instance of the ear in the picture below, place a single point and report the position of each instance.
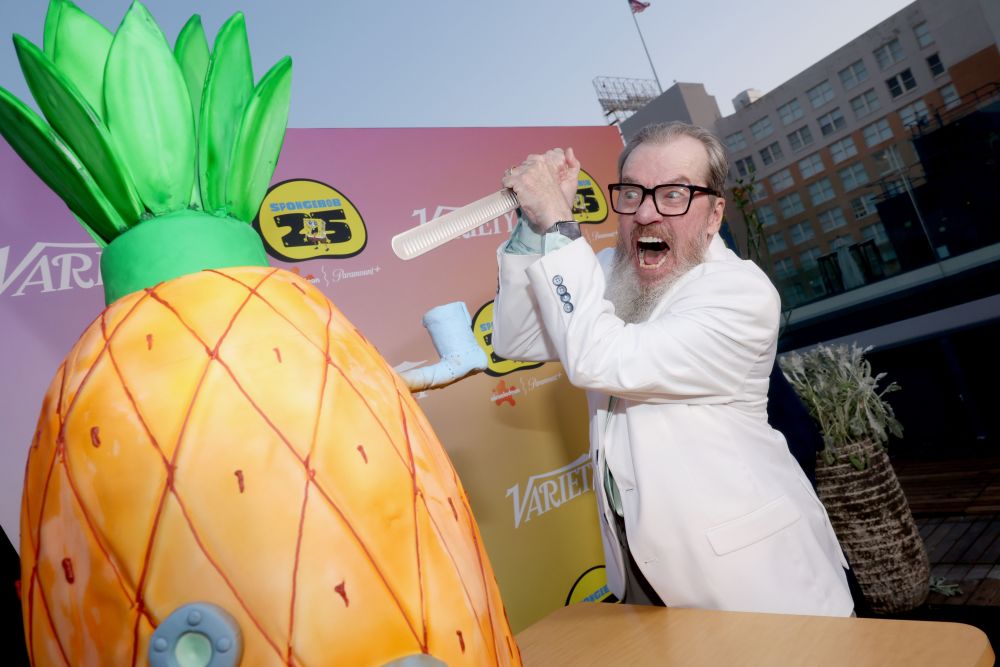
(715, 216)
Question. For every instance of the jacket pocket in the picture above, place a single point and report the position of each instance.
(753, 527)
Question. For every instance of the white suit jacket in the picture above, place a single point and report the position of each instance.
(718, 513)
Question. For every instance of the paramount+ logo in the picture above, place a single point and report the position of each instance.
(551, 490)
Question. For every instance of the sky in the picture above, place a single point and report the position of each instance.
(451, 63)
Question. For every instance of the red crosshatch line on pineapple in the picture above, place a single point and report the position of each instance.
(213, 354)
(58, 456)
(416, 531)
(253, 292)
(492, 639)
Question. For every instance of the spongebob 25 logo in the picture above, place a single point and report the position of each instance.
(304, 219)
(589, 205)
(482, 329)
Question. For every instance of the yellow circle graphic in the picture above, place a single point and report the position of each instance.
(591, 586)
(590, 205)
(482, 329)
(303, 219)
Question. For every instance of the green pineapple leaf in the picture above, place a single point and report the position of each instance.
(258, 142)
(149, 113)
(56, 164)
(228, 86)
(78, 45)
(78, 125)
(191, 52)
(98, 239)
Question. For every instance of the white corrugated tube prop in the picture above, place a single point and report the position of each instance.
(418, 240)
(450, 327)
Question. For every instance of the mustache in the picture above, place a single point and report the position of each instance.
(657, 229)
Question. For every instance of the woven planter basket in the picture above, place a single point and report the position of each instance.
(872, 519)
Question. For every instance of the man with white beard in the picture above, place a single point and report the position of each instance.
(673, 337)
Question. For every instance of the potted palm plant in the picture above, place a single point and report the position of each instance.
(854, 478)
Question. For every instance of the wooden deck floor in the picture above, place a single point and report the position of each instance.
(957, 507)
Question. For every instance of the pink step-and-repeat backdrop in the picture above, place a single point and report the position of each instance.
(517, 434)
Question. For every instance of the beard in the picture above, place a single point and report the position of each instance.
(635, 299)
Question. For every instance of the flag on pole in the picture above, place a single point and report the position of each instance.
(637, 6)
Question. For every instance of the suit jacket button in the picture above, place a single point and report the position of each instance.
(565, 297)
(561, 290)
(557, 280)
(568, 307)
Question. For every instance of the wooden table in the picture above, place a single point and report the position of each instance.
(619, 634)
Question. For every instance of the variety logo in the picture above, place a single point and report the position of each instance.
(303, 219)
(589, 207)
(548, 491)
(482, 330)
(591, 586)
(51, 267)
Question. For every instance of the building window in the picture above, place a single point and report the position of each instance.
(888, 54)
(889, 160)
(802, 232)
(923, 35)
(808, 259)
(877, 132)
(771, 153)
(791, 205)
(820, 94)
(781, 180)
(949, 96)
(853, 176)
(843, 149)
(914, 114)
(875, 233)
(790, 112)
(800, 138)
(745, 166)
(935, 64)
(761, 128)
(831, 122)
(894, 187)
(853, 74)
(841, 241)
(901, 83)
(784, 267)
(776, 242)
(765, 215)
(865, 103)
(810, 166)
(736, 142)
(758, 192)
(832, 219)
(863, 206)
(821, 191)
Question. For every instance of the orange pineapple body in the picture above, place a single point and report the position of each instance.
(229, 437)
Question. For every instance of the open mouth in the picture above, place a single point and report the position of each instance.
(651, 251)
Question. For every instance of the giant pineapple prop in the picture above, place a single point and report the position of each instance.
(220, 434)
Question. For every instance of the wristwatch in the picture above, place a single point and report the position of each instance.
(568, 228)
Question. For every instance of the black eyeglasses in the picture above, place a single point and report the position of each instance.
(669, 198)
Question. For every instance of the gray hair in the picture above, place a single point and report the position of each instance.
(662, 133)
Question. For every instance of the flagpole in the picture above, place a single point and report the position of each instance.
(641, 39)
